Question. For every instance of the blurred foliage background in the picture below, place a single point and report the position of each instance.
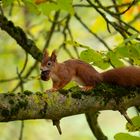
(75, 29)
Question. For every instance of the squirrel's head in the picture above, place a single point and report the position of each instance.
(47, 64)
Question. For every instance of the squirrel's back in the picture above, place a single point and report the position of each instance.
(84, 72)
(125, 76)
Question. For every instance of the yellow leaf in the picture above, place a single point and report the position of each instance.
(99, 25)
(129, 15)
(126, 1)
(137, 25)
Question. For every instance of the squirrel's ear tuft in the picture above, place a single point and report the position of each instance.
(53, 56)
(45, 57)
(45, 54)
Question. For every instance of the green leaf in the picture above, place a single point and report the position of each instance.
(122, 51)
(27, 1)
(115, 61)
(130, 51)
(135, 126)
(125, 136)
(94, 57)
(87, 55)
(70, 85)
(7, 2)
(31, 7)
(119, 1)
(66, 5)
(47, 8)
(136, 62)
(102, 64)
(90, 55)
(137, 46)
(134, 52)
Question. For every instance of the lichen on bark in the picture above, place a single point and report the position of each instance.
(29, 105)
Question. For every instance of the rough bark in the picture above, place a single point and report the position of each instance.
(29, 105)
(19, 35)
(92, 119)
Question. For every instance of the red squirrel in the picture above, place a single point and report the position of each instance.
(84, 74)
(73, 69)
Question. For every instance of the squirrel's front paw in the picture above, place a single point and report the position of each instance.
(51, 90)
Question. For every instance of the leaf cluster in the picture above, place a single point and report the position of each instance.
(131, 128)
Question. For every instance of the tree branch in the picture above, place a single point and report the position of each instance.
(92, 117)
(18, 34)
(29, 105)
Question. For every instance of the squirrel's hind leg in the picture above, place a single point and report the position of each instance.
(87, 88)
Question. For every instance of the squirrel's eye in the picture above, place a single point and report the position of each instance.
(49, 63)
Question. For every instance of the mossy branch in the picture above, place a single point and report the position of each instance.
(19, 35)
(29, 105)
(92, 119)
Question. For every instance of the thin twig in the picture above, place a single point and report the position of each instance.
(27, 75)
(82, 5)
(121, 29)
(8, 80)
(134, 1)
(63, 45)
(49, 35)
(108, 7)
(113, 24)
(22, 90)
(25, 63)
(21, 81)
(39, 81)
(119, 5)
(95, 35)
(21, 72)
(118, 16)
(118, 13)
(127, 25)
(21, 130)
(71, 36)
